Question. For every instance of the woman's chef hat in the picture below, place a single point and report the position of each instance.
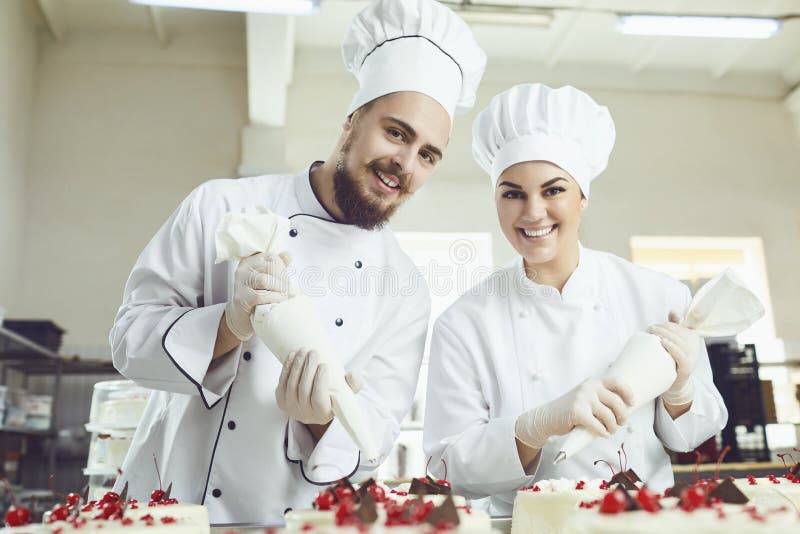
(533, 122)
(413, 45)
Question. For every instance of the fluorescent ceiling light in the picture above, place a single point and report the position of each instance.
(277, 7)
(504, 18)
(685, 26)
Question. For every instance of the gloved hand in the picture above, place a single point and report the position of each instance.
(303, 390)
(683, 344)
(259, 279)
(598, 405)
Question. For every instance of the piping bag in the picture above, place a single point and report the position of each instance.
(722, 307)
(294, 323)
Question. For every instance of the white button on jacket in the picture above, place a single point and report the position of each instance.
(483, 351)
(215, 427)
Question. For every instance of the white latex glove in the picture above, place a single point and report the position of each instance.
(303, 390)
(259, 279)
(683, 344)
(600, 406)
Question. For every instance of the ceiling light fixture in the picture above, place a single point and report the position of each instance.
(275, 7)
(689, 26)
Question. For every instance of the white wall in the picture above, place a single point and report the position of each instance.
(122, 130)
(18, 53)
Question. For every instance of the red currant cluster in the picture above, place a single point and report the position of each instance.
(619, 500)
(160, 498)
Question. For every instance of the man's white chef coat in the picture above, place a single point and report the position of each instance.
(509, 345)
(215, 427)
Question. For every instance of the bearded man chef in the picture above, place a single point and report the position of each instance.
(516, 362)
(228, 428)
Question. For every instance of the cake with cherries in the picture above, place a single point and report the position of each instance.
(426, 505)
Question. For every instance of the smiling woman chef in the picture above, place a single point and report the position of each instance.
(228, 427)
(515, 363)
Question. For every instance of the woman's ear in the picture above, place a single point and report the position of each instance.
(584, 203)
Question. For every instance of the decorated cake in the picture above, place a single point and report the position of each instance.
(624, 504)
(426, 505)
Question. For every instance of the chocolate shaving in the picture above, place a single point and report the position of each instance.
(362, 489)
(169, 490)
(727, 492)
(367, 513)
(795, 470)
(623, 480)
(677, 489)
(85, 496)
(123, 497)
(631, 474)
(444, 514)
(428, 486)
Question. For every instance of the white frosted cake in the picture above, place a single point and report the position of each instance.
(625, 506)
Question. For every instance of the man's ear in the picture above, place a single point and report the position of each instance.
(348, 122)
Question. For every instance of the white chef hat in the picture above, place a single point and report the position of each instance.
(413, 45)
(533, 122)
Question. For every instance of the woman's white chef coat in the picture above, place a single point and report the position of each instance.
(509, 345)
(215, 427)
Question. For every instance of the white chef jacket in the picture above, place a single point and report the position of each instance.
(510, 345)
(215, 427)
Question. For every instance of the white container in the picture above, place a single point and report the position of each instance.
(107, 449)
(100, 481)
(15, 408)
(39, 409)
(117, 404)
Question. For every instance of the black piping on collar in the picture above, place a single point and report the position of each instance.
(300, 462)
(192, 380)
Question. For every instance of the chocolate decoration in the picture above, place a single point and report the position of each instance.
(727, 492)
(428, 486)
(675, 491)
(85, 496)
(446, 513)
(623, 480)
(795, 470)
(169, 490)
(631, 474)
(123, 497)
(367, 512)
(362, 489)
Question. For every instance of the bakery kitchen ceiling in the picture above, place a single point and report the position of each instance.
(527, 13)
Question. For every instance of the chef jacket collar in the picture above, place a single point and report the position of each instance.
(310, 206)
(309, 203)
(581, 285)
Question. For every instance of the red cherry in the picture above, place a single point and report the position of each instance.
(614, 502)
(110, 496)
(73, 499)
(443, 482)
(325, 500)
(344, 492)
(110, 508)
(157, 495)
(345, 510)
(17, 516)
(647, 500)
(377, 493)
(694, 496)
(60, 512)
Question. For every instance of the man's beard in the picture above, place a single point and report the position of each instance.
(359, 206)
